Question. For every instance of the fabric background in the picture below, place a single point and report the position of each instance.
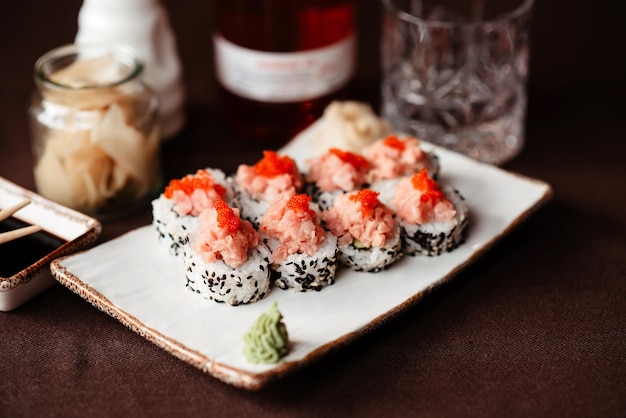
(536, 327)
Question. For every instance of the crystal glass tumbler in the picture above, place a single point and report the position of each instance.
(454, 73)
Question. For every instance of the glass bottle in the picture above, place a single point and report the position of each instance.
(95, 130)
(279, 63)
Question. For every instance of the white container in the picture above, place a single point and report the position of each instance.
(73, 231)
(143, 25)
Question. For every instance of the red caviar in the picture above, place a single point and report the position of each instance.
(272, 165)
(368, 200)
(300, 203)
(430, 189)
(394, 142)
(226, 218)
(201, 180)
(354, 160)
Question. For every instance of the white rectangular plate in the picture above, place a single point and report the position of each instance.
(132, 279)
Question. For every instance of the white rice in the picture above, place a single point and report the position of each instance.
(172, 228)
(372, 259)
(385, 189)
(324, 200)
(219, 282)
(302, 272)
(435, 238)
(251, 209)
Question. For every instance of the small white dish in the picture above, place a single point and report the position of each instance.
(132, 279)
(25, 262)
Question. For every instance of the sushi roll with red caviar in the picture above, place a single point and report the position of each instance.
(304, 255)
(271, 179)
(226, 260)
(334, 173)
(433, 218)
(367, 233)
(175, 212)
(394, 157)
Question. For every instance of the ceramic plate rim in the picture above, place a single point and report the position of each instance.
(256, 380)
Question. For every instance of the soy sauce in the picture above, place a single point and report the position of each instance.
(20, 253)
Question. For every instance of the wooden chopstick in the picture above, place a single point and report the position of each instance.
(5, 213)
(18, 233)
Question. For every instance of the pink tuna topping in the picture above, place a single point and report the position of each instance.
(295, 225)
(194, 193)
(222, 235)
(360, 215)
(418, 200)
(338, 170)
(393, 157)
(270, 179)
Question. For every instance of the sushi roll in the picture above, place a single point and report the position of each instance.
(394, 157)
(367, 233)
(175, 212)
(304, 255)
(268, 181)
(334, 173)
(226, 260)
(433, 218)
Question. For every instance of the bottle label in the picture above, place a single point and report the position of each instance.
(282, 77)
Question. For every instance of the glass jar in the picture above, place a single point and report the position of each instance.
(95, 130)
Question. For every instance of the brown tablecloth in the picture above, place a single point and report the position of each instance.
(536, 327)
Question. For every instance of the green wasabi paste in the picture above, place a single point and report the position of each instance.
(267, 341)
